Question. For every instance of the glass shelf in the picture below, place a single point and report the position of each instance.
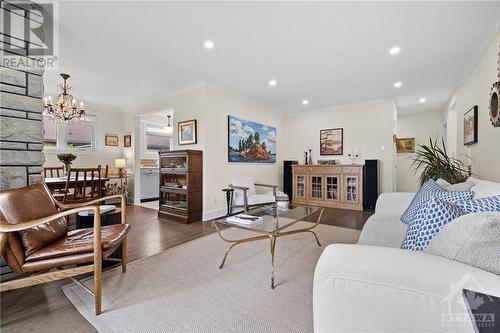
(174, 200)
(174, 162)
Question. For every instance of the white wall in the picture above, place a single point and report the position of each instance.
(368, 131)
(217, 170)
(419, 126)
(185, 105)
(210, 107)
(107, 123)
(475, 91)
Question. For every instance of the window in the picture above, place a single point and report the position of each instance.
(49, 133)
(157, 139)
(79, 136)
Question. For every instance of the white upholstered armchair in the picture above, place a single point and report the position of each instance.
(245, 195)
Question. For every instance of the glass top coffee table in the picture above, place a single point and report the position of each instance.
(275, 224)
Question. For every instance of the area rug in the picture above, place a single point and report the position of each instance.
(183, 290)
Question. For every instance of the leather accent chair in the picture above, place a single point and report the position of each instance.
(35, 241)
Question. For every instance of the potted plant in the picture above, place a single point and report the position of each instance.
(435, 163)
(67, 160)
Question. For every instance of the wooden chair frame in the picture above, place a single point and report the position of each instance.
(79, 194)
(59, 171)
(59, 272)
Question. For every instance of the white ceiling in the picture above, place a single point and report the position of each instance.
(131, 55)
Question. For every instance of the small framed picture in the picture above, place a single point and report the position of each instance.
(331, 141)
(186, 132)
(127, 140)
(405, 145)
(111, 140)
(470, 126)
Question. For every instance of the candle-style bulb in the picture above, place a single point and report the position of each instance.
(81, 105)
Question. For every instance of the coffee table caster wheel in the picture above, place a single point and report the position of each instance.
(272, 283)
(220, 267)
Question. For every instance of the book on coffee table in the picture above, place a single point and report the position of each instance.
(244, 219)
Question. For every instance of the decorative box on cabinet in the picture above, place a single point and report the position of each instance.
(339, 186)
(181, 185)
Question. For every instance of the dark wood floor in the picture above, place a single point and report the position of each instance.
(44, 308)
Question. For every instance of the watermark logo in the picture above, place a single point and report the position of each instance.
(29, 35)
(478, 306)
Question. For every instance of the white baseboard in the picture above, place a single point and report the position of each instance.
(215, 213)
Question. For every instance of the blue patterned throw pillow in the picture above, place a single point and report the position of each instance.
(488, 204)
(429, 190)
(429, 221)
(422, 195)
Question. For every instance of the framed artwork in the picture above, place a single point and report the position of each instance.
(331, 141)
(250, 142)
(111, 140)
(405, 145)
(186, 132)
(470, 126)
(495, 103)
(127, 140)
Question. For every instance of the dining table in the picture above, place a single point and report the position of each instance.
(59, 183)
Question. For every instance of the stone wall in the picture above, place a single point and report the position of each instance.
(21, 107)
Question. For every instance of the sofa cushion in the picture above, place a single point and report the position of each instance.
(383, 230)
(428, 222)
(472, 239)
(429, 190)
(81, 241)
(488, 204)
(485, 189)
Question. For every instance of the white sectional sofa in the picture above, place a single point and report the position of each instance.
(374, 286)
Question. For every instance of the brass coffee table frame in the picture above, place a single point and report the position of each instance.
(272, 236)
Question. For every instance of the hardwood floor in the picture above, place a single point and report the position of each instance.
(44, 308)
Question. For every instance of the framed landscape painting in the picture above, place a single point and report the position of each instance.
(331, 141)
(405, 145)
(186, 132)
(111, 140)
(470, 126)
(250, 142)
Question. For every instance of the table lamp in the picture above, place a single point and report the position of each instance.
(120, 163)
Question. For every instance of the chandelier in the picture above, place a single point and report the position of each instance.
(65, 110)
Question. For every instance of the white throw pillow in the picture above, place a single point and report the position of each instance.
(485, 189)
(465, 186)
(472, 239)
(442, 182)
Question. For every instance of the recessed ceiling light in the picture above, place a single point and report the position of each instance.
(273, 83)
(305, 102)
(422, 100)
(394, 50)
(397, 84)
(209, 44)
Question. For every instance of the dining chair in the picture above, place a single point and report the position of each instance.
(83, 184)
(104, 171)
(53, 172)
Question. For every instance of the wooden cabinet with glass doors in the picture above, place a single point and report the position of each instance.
(339, 186)
(181, 181)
